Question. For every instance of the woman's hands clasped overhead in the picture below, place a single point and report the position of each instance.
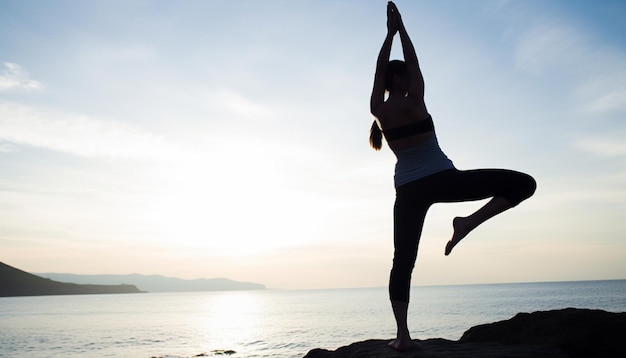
(392, 18)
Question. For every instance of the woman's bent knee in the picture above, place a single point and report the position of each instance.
(525, 187)
(531, 186)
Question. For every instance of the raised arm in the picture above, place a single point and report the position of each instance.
(416, 81)
(378, 92)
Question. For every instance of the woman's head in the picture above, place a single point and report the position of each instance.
(396, 76)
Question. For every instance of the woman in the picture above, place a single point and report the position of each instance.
(423, 173)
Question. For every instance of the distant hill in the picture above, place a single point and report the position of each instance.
(157, 283)
(15, 282)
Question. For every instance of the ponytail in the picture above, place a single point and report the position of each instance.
(376, 136)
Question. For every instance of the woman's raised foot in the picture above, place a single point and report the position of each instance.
(460, 231)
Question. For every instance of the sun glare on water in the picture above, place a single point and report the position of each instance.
(230, 314)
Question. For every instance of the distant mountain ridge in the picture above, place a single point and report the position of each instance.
(157, 283)
(15, 282)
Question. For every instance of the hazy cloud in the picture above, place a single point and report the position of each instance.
(14, 78)
(615, 99)
(604, 147)
(598, 69)
(7, 147)
(80, 135)
(548, 45)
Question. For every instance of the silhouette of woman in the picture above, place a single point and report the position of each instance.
(423, 173)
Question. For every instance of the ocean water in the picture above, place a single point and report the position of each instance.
(270, 323)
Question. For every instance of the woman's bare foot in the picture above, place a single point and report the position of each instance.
(403, 344)
(461, 230)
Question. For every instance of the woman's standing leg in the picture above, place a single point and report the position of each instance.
(409, 215)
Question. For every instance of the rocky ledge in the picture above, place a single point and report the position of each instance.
(569, 332)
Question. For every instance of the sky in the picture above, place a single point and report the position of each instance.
(201, 139)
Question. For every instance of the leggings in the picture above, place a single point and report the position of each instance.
(413, 200)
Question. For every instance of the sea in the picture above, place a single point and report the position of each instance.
(269, 323)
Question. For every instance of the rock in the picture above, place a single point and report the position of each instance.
(579, 332)
(568, 332)
(438, 347)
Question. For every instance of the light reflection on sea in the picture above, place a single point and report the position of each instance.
(271, 323)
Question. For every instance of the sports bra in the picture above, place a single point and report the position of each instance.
(410, 129)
